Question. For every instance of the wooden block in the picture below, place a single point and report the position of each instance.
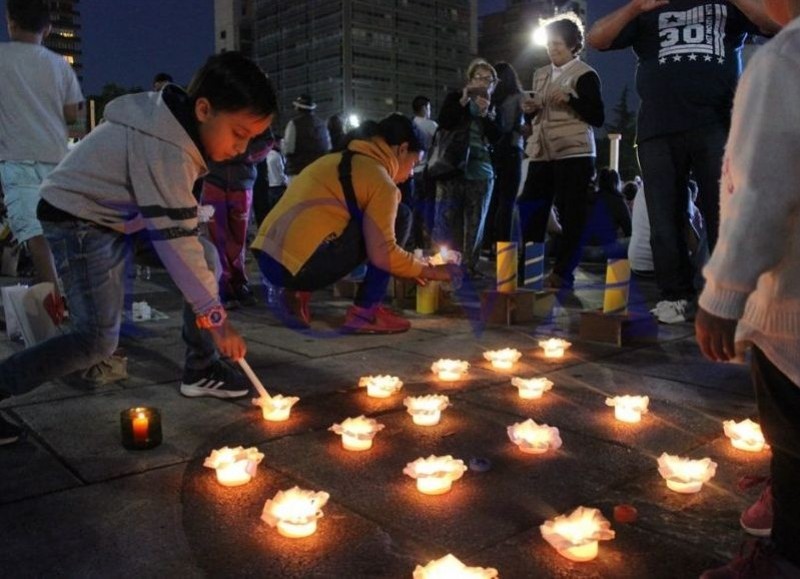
(507, 308)
(403, 292)
(619, 329)
(345, 289)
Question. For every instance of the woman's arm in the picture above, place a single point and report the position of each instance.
(589, 102)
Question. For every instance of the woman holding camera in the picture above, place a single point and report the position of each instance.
(563, 107)
(462, 201)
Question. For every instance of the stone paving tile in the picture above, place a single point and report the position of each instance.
(482, 508)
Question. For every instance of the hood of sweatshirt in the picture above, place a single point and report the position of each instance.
(379, 150)
(148, 113)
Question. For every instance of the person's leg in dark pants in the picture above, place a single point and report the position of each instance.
(448, 228)
(477, 196)
(535, 201)
(706, 147)
(508, 167)
(665, 172)
(572, 178)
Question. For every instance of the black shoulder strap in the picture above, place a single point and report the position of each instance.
(346, 179)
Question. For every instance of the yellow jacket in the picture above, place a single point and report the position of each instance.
(313, 210)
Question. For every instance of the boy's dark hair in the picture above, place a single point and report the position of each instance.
(30, 15)
(569, 27)
(395, 129)
(231, 82)
(419, 103)
(162, 77)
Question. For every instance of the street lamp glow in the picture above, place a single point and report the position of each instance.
(539, 36)
(353, 120)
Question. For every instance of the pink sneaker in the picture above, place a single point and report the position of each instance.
(756, 560)
(757, 518)
(377, 320)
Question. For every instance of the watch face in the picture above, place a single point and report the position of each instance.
(215, 318)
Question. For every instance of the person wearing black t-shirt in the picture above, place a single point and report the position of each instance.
(689, 61)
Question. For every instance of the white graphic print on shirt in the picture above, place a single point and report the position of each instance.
(693, 34)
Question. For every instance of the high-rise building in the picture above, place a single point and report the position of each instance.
(65, 35)
(233, 25)
(364, 57)
(507, 35)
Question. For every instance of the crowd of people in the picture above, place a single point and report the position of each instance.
(173, 162)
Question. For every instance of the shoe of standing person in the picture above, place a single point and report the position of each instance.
(375, 320)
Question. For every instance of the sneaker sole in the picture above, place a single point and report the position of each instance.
(191, 391)
(364, 332)
(755, 532)
(8, 440)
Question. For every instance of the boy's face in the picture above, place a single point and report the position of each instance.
(226, 134)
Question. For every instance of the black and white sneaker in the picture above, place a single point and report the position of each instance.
(9, 433)
(221, 380)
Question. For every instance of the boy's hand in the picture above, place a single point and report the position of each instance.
(55, 307)
(648, 5)
(228, 341)
(715, 336)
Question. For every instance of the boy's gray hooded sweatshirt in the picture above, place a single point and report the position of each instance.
(136, 171)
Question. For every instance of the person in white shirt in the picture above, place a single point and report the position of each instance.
(424, 193)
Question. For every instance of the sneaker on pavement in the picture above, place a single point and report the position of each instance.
(757, 518)
(376, 320)
(756, 560)
(220, 380)
(672, 312)
(9, 433)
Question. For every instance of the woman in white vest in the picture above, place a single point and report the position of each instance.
(563, 107)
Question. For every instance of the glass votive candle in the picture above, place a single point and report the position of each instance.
(140, 428)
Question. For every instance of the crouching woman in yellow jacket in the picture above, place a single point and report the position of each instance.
(341, 211)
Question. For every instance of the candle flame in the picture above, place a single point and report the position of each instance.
(226, 456)
(360, 427)
(449, 567)
(295, 505)
(534, 438)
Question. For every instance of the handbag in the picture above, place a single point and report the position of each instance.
(449, 153)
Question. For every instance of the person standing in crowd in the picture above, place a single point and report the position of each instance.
(564, 106)
(271, 181)
(306, 137)
(160, 79)
(689, 60)
(462, 201)
(336, 132)
(507, 152)
(424, 191)
(752, 290)
(39, 97)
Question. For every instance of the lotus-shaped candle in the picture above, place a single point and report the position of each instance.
(629, 408)
(531, 388)
(295, 512)
(276, 408)
(435, 474)
(745, 435)
(380, 386)
(503, 359)
(450, 370)
(426, 410)
(554, 347)
(445, 256)
(534, 438)
(449, 567)
(575, 536)
(685, 475)
(234, 466)
(357, 433)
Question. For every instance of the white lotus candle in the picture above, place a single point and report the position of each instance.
(450, 370)
(380, 386)
(295, 511)
(575, 536)
(531, 388)
(534, 438)
(629, 408)
(276, 408)
(435, 474)
(503, 359)
(745, 435)
(234, 466)
(426, 410)
(445, 256)
(357, 433)
(685, 475)
(449, 567)
(554, 347)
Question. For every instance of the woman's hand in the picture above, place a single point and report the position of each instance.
(560, 97)
(530, 105)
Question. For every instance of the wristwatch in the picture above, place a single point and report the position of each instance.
(212, 318)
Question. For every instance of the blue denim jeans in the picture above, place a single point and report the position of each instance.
(90, 261)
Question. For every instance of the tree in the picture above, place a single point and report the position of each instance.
(110, 92)
(624, 123)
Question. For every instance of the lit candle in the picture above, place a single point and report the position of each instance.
(684, 475)
(450, 370)
(531, 388)
(140, 428)
(234, 466)
(445, 256)
(426, 410)
(380, 386)
(295, 512)
(575, 536)
(534, 438)
(276, 408)
(435, 474)
(503, 359)
(629, 408)
(357, 433)
(554, 347)
(141, 425)
(745, 435)
(449, 567)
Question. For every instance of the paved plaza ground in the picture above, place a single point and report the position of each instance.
(75, 503)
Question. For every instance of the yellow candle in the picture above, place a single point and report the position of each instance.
(294, 530)
(431, 485)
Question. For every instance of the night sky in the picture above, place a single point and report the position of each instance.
(127, 41)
